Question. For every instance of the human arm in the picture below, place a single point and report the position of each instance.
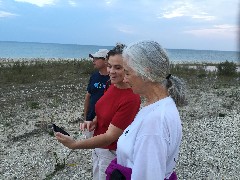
(86, 105)
(102, 140)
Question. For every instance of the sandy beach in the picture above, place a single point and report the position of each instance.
(210, 144)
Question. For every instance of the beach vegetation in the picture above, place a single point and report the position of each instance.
(33, 105)
(7, 124)
(58, 166)
(51, 133)
(227, 68)
(71, 70)
(33, 71)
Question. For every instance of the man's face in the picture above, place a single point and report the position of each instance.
(98, 63)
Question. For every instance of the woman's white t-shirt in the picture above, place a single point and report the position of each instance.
(150, 145)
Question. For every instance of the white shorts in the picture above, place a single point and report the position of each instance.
(101, 160)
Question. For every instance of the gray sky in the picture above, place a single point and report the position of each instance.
(176, 24)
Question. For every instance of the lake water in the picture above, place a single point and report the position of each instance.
(53, 50)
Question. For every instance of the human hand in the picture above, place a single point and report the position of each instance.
(89, 125)
(67, 141)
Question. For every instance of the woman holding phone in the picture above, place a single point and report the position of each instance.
(115, 110)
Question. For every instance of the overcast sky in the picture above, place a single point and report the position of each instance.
(176, 24)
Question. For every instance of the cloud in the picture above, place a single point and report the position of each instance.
(6, 14)
(39, 3)
(204, 17)
(108, 2)
(185, 9)
(223, 30)
(72, 3)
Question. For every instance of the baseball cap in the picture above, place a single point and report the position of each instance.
(101, 53)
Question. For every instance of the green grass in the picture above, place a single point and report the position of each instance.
(70, 70)
(24, 72)
(199, 71)
(33, 105)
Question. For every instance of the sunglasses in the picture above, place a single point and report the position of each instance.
(96, 58)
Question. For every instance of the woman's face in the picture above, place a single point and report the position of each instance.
(115, 69)
(136, 82)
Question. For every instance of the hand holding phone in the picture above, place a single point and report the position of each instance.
(58, 129)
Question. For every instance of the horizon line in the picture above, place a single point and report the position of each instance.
(113, 46)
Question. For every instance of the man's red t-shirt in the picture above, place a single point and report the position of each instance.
(117, 107)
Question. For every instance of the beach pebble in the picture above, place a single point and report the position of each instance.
(209, 149)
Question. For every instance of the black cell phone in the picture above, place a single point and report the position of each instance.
(58, 129)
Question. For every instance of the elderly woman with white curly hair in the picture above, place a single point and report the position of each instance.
(148, 149)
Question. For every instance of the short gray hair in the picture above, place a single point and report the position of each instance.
(151, 62)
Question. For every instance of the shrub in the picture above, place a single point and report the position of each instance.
(33, 105)
(227, 68)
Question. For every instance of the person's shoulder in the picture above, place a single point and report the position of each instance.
(95, 73)
(92, 74)
(170, 105)
(135, 96)
(129, 92)
(130, 97)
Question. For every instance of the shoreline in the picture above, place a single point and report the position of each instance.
(205, 65)
(9, 59)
